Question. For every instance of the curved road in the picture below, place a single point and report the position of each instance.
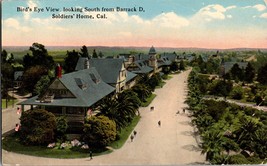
(172, 143)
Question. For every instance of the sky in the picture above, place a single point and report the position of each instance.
(162, 23)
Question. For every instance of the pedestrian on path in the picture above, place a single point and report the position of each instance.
(91, 155)
(132, 137)
(134, 132)
(159, 123)
(183, 110)
(152, 108)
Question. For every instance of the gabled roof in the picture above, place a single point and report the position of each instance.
(143, 67)
(130, 76)
(171, 56)
(164, 61)
(109, 69)
(84, 97)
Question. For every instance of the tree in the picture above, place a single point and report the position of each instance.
(182, 65)
(41, 85)
(249, 73)
(37, 127)
(3, 56)
(262, 74)
(70, 61)
(84, 52)
(174, 66)
(142, 91)
(101, 55)
(32, 75)
(99, 131)
(237, 93)
(95, 54)
(62, 126)
(237, 73)
(39, 57)
(212, 144)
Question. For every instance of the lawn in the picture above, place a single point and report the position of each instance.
(9, 103)
(11, 143)
(124, 134)
(148, 100)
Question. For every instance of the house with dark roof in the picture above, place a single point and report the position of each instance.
(72, 95)
(226, 66)
(112, 71)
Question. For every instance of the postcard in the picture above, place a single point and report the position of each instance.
(131, 82)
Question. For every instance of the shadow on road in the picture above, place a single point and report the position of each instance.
(191, 148)
(186, 123)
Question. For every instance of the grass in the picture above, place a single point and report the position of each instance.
(148, 100)
(11, 143)
(9, 103)
(124, 134)
(162, 83)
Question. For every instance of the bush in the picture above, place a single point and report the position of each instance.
(99, 131)
(237, 93)
(62, 126)
(37, 127)
(238, 159)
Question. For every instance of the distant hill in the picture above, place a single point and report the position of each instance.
(117, 50)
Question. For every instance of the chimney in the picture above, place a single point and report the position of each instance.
(58, 71)
(86, 63)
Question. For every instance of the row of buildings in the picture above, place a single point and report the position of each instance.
(75, 93)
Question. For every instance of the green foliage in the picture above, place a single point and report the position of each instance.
(182, 65)
(262, 74)
(142, 91)
(95, 54)
(237, 73)
(99, 131)
(249, 73)
(122, 108)
(70, 61)
(84, 52)
(237, 159)
(39, 57)
(41, 85)
(32, 75)
(62, 126)
(37, 127)
(219, 87)
(237, 93)
(174, 66)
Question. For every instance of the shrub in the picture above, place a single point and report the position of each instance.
(37, 127)
(99, 131)
(238, 159)
(237, 93)
(62, 126)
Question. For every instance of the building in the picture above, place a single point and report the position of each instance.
(72, 95)
(111, 70)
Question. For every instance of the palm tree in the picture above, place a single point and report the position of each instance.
(212, 144)
(142, 91)
(109, 107)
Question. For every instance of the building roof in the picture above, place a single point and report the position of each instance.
(18, 75)
(152, 50)
(130, 76)
(171, 56)
(109, 69)
(94, 90)
(228, 65)
(143, 67)
(81, 64)
(164, 61)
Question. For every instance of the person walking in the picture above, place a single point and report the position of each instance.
(159, 123)
(132, 137)
(134, 132)
(91, 155)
